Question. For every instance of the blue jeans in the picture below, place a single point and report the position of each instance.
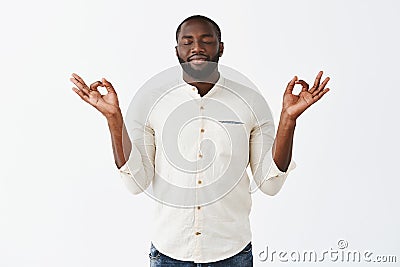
(242, 259)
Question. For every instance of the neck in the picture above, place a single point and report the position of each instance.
(205, 85)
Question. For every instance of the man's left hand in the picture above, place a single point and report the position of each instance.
(295, 105)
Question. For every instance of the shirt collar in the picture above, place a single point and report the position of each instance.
(194, 91)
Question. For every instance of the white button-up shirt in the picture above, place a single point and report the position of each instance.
(194, 151)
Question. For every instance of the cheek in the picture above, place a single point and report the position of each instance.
(182, 51)
(181, 54)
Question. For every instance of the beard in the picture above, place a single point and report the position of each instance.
(210, 65)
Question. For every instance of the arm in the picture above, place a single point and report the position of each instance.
(266, 175)
(134, 158)
(282, 148)
(270, 167)
(121, 143)
(293, 107)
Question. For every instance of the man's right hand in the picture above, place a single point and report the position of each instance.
(107, 104)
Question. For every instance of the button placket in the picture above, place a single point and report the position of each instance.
(195, 92)
(199, 178)
(201, 138)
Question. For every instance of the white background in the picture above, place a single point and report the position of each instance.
(62, 202)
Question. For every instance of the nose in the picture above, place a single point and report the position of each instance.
(197, 47)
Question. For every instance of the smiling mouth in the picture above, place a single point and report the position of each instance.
(197, 60)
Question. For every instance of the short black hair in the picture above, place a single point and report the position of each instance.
(204, 18)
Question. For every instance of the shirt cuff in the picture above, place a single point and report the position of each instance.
(124, 168)
(132, 166)
(275, 172)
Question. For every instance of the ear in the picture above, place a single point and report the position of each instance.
(221, 48)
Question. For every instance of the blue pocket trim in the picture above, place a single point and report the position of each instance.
(232, 122)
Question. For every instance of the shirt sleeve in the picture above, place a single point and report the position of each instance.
(138, 172)
(275, 178)
(267, 176)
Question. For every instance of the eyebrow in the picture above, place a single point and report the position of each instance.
(203, 35)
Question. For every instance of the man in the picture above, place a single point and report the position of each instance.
(202, 221)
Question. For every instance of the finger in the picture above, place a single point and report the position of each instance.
(79, 79)
(81, 94)
(80, 84)
(108, 86)
(304, 85)
(321, 86)
(93, 86)
(290, 86)
(317, 81)
(76, 76)
(320, 94)
(82, 88)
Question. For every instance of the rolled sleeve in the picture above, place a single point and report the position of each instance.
(138, 172)
(275, 178)
(136, 175)
(267, 176)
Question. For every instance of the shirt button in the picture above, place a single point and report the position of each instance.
(198, 207)
(199, 181)
(200, 155)
(202, 130)
(201, 107)
(194, 88)
(197, 233)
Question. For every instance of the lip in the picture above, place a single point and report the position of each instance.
(197, 58)
(198, 61)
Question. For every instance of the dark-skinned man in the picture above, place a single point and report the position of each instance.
(211, 228)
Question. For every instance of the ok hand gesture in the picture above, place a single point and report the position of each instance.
(107, 104)
(294, 105)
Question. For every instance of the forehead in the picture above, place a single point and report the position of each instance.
(196, 27)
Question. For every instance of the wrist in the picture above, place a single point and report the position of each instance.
(115, 114)
(114, 118)
(288, 119)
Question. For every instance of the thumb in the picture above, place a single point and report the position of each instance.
(108, 85)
